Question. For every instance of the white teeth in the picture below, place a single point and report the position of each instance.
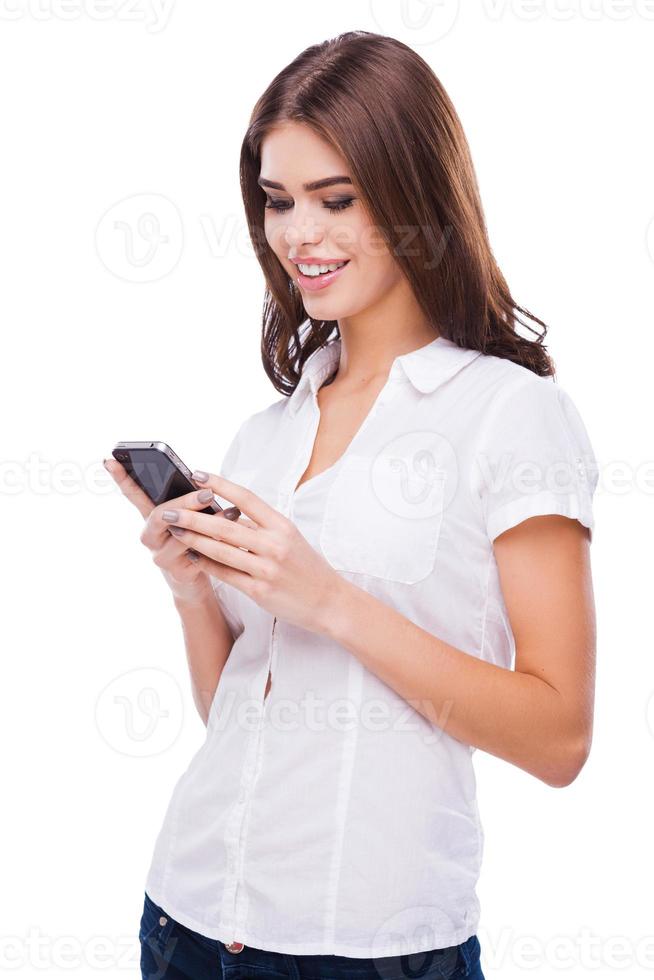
(316, 270)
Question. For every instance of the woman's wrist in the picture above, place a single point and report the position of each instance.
(199, 598)
(339, 609)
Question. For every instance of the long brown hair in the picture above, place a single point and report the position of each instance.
(383, 108)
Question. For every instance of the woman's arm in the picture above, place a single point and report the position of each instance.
(538, 717)
(208, 642)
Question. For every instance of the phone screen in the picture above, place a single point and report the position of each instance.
(163, 478)
(156, 474)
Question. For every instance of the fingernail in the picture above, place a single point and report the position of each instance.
(205, 495)
(231, 512)
(200, 476)
(192, 556)
(170, 515)
(177, 531)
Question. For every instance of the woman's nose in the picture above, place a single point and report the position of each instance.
(304, 231)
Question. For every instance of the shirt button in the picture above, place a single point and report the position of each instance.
(234, 947)
(163, 920)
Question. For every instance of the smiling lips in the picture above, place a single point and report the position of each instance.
(326, 274)
(314, 260)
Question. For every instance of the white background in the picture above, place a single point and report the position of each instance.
(108, 102)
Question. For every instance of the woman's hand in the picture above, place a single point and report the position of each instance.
(187, 577)
(262, 554)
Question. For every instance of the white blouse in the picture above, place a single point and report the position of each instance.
(330, 816)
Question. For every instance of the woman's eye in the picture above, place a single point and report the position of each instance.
(339, 205)
(334, 206)
(278, 206)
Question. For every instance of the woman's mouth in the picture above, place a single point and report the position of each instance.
(315, 279)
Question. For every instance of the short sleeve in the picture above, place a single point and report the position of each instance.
(535, 457)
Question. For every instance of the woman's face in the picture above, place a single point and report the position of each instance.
(324, 225)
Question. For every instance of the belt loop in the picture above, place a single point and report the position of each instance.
(291, 966)
(464, 949)
(168, 927)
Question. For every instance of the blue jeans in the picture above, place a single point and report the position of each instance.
(171, 951)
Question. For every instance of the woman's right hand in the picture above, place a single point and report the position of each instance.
(186, 581)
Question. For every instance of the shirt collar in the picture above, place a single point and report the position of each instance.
(426, 368)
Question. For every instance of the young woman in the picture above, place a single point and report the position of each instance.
(409, 580)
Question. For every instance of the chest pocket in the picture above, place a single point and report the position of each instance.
(383, 516)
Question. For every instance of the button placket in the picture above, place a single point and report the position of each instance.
(233, 842)
(286, 497)
(240, 818)
(241, 901)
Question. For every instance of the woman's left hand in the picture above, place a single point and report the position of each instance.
(280, 571)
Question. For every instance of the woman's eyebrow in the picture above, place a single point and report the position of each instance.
(314, 185)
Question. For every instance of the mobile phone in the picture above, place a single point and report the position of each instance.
(162, 475)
